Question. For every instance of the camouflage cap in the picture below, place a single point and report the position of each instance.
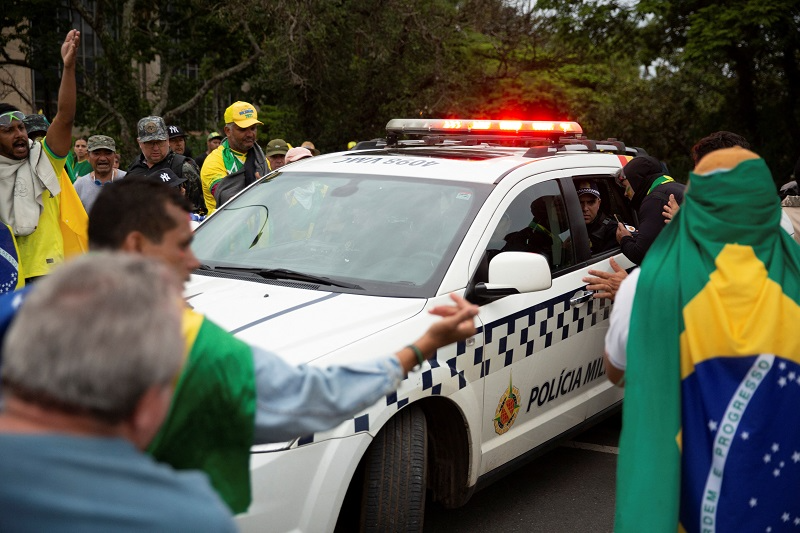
(101, 142)
(36, 124)
(152, 128)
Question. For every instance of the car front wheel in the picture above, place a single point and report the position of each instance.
(395, 475)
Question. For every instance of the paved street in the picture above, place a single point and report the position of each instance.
(570, 489)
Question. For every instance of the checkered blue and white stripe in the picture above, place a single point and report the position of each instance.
(513, 338)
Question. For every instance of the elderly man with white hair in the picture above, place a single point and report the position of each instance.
(89, 366)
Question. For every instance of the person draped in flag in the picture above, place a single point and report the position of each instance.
(231, 395)
(710, 438)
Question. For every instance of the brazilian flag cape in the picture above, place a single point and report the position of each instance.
(210, 425)
(711, 426)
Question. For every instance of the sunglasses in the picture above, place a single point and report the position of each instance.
(9, 117)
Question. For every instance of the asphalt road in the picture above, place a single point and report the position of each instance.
(569, 489)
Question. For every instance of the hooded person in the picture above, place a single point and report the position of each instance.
(648, 189)
(710, 427)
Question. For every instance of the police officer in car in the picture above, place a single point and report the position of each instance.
(601, 228)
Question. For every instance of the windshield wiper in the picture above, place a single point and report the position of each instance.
(285, 273)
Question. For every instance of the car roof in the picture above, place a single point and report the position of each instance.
(479, 164)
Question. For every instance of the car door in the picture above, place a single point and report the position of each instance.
(542, 354)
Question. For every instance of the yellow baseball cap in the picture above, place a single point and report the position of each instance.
(242, 114)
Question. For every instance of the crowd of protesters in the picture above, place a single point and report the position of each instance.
(121, 378)
(95, 370)
(94, 161)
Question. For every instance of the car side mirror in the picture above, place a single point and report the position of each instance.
(514, 273)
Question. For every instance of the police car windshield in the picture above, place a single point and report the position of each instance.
(392, 236)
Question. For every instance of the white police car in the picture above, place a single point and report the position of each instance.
(369, 240)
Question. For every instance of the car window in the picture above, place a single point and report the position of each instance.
(614, 201)
(392, 236)
(536, 221)
(602, 225)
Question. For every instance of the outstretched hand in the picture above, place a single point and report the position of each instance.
(457, 323)
(69, 50)
(606, 284)
(59, 134)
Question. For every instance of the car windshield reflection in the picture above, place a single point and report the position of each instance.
(391, 236)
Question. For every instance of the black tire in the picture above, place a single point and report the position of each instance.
(395, 475)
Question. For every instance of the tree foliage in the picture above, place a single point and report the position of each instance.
(744, 55)
(345, 66)
(657, 74)
(133, 37)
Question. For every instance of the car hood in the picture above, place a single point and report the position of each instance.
(299, 324)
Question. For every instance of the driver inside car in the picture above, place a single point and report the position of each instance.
(535, 237)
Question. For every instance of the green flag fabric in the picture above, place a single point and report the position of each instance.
(710, 438)
(210, 425)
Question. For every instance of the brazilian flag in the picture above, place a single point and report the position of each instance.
(711, 425)
(10, 277)
(210, 425)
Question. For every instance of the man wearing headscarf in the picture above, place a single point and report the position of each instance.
(710, 438)
(648, 189)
